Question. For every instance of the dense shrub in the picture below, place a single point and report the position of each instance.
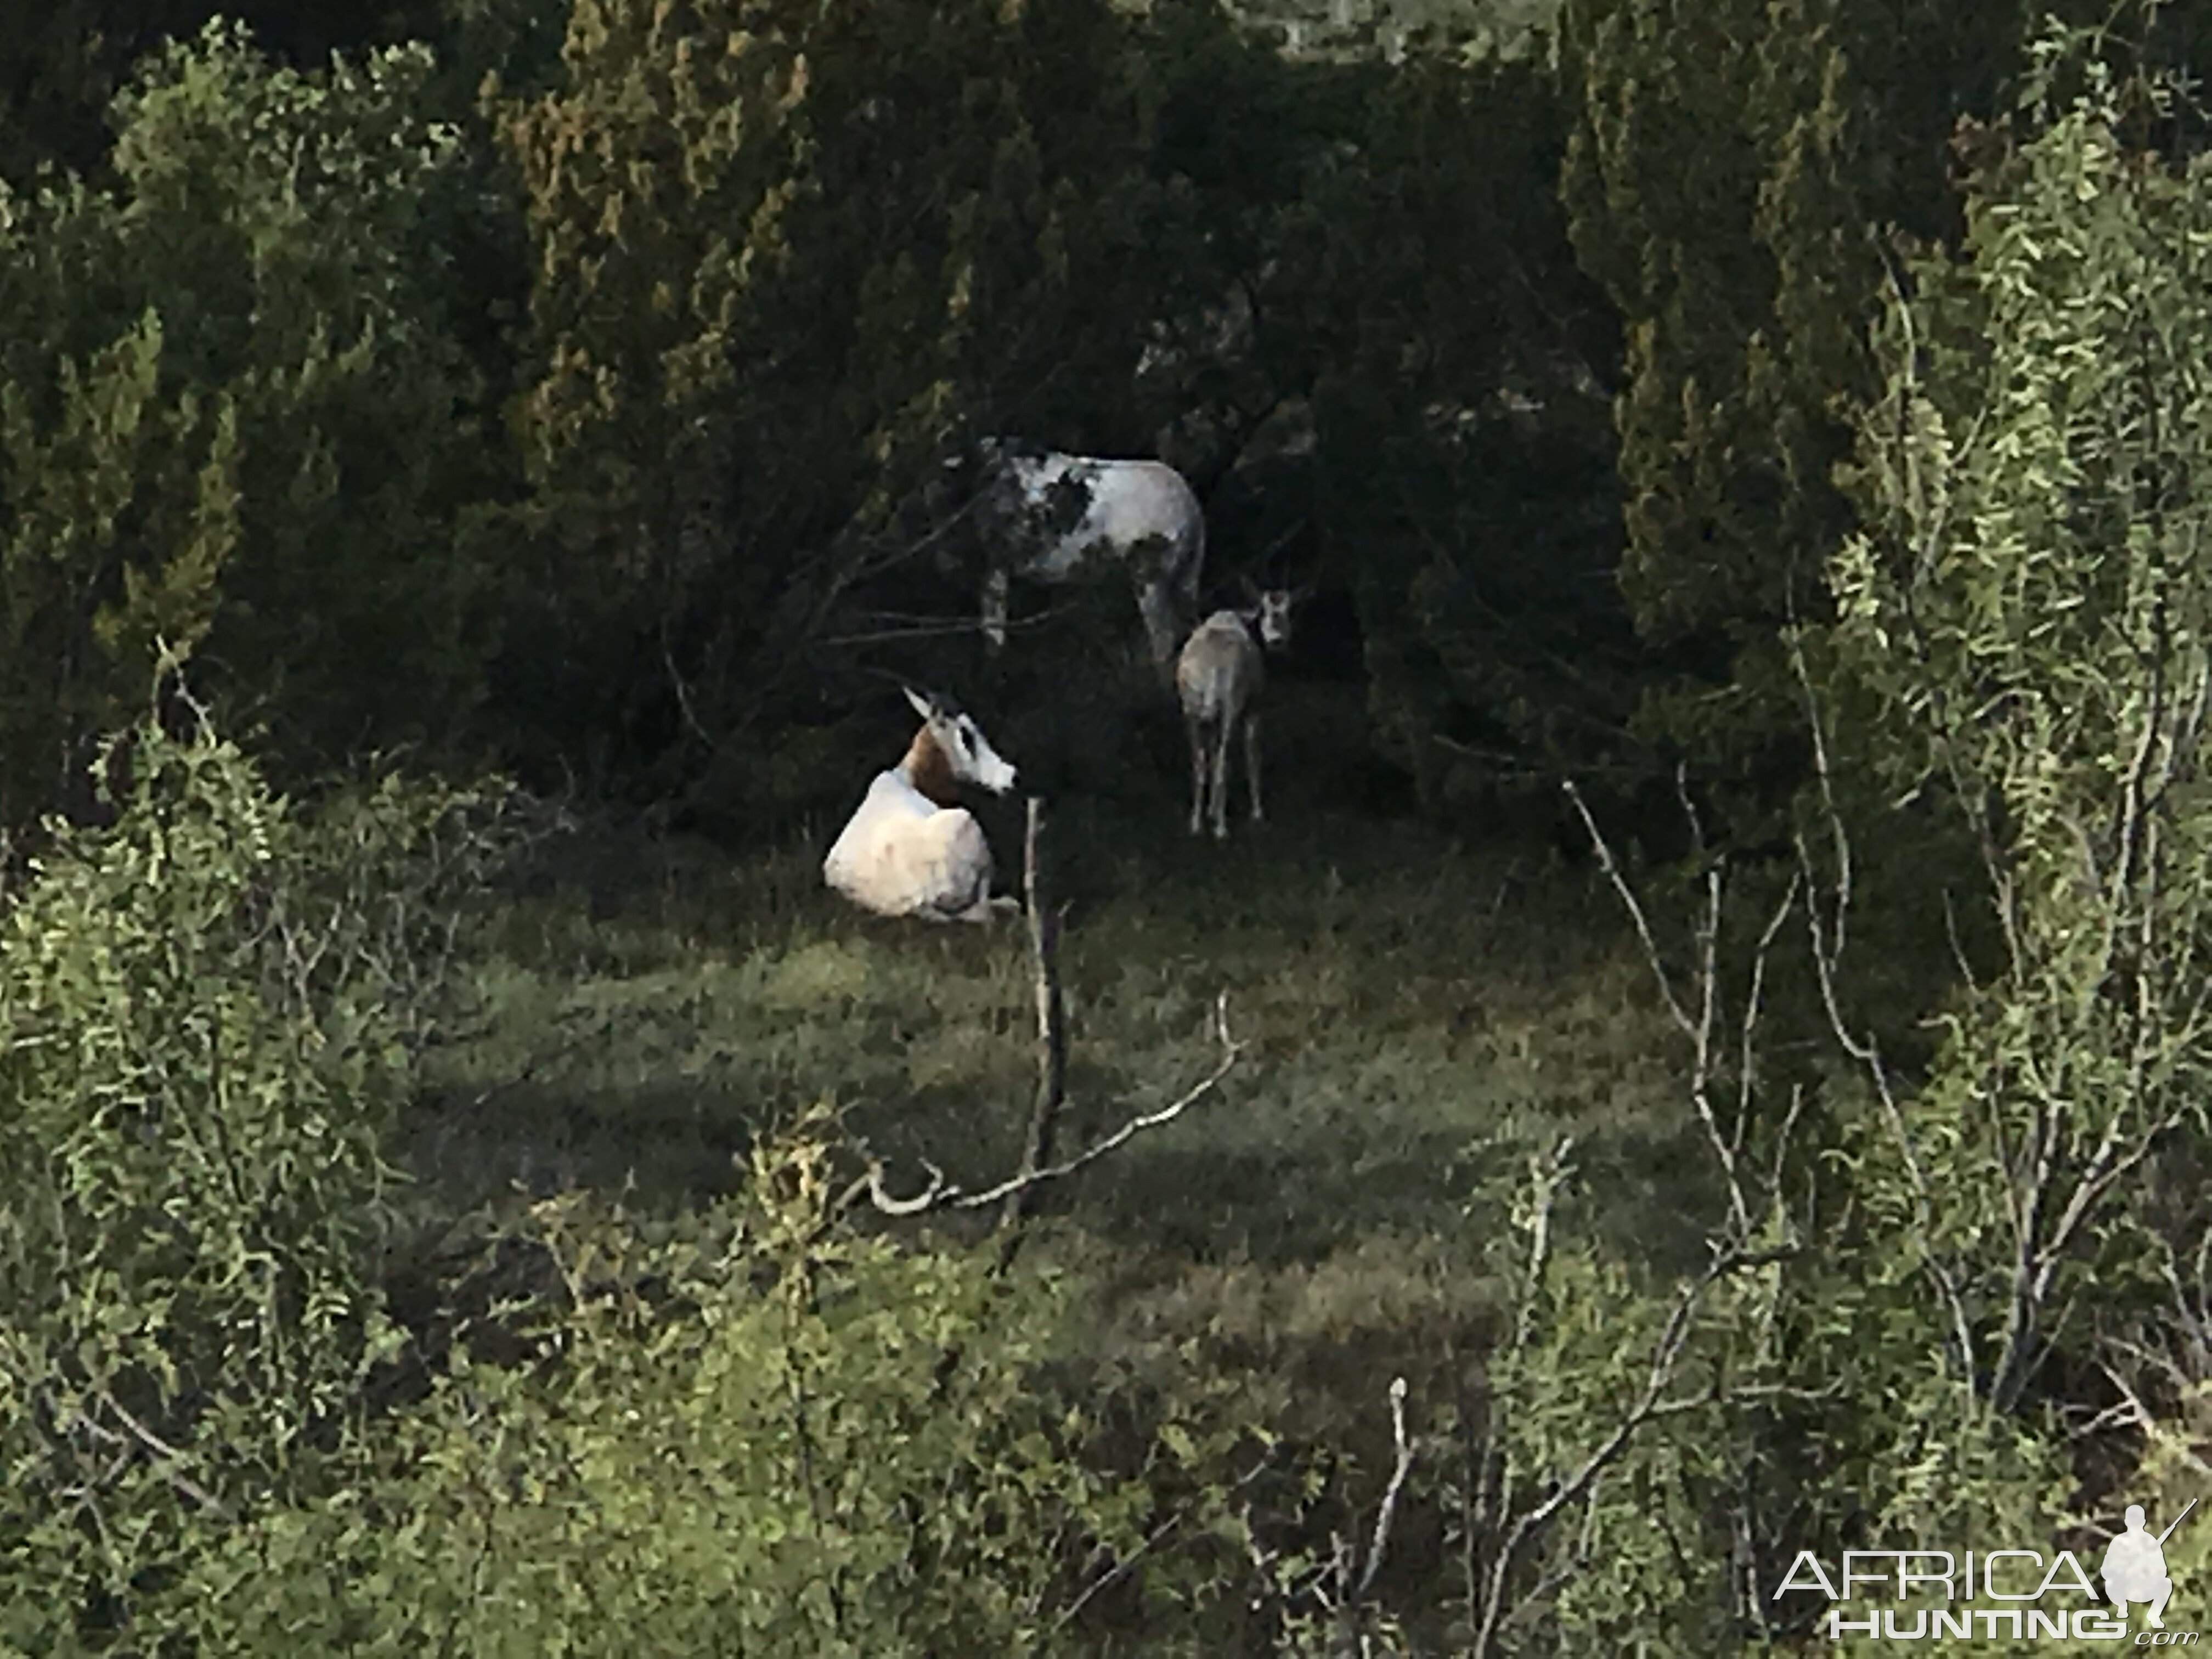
(209, 1015)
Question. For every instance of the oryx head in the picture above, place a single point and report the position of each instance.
(965, 748)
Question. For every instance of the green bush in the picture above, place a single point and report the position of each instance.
(208, 1020)
(767, 1435)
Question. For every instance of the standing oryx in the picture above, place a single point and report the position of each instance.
(911, 850)
(1219, 676)
(1058, 518)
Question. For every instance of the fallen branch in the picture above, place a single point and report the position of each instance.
(941, 1194)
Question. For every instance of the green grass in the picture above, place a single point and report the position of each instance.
(1415, 1012)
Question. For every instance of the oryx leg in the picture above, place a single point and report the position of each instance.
(994, 611)
(1187, 577)
(1157, 609)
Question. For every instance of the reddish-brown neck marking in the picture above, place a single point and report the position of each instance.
(928, 769)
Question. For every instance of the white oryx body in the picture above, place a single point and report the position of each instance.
(909, 851)
(1140, 518)
(1218, 677)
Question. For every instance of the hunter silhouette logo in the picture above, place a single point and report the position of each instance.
(2020, 1595)
(2135, 1566)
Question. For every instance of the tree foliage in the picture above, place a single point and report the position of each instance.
(1989, 1259)
(235, 415)
(1731, 175)
(1462, 463)
(779, 258)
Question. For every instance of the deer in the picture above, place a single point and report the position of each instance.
(911, 849)
(1218, 677)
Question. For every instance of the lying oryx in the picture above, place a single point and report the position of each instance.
(1219, 676)
(910, 850)
(1058, 518)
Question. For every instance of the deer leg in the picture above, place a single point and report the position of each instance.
(1221, 777)
(994, 611)
(1252, 760)
(1194, 729)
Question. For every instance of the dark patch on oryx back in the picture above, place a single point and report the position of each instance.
(929, 769)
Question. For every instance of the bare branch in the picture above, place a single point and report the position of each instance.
(1051, 1022)
(1746, 1066)
(1121, 1570)
(1652, 1404)
(172, 1462)
(871, 1185)
(1383, 1516)
(683, 690)
(1701, 1027)
(941, 1195)
(1636, 915)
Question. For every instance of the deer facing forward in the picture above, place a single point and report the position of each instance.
(1219, 676)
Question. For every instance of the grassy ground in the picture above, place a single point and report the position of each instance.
(1413, 1008)
(1418, 1012)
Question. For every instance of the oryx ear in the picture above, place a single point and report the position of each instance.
(1247, 586)
(921, 704)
